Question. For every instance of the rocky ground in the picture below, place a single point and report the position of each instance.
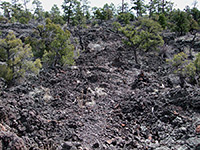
(105, 102)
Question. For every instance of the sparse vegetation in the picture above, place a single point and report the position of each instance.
(51, 44)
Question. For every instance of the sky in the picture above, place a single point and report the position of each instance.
(47, 4)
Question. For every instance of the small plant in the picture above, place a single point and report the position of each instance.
(162, 20)
(23, 20)
(124, 18)
(116, 26)
(187, 69)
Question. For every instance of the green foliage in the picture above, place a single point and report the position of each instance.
(193, 25)
(15, 12)
(3, 19)
(139, 7)
(149, 32)
(116, 26)
(55, 15)
(70, 7)
(6, 72)
(52, 44)
(76, 12)
(179, 60)
(195, 14)
(159, 7)
(181, 22)
(105, 13)
(16, 58)
(23, 20)
(6, 7)
(125, 18)
(38, 12)
(145, 36)
(162, 20)
(188, 69)
(197, 63)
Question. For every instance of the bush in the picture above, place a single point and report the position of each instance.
(16, 58)
(144, 36)
(181, 22)
(116, 26)
(125, 18)
(23, 20)
(162, 20)
(3, 19)
(189, 69)
(52, 44)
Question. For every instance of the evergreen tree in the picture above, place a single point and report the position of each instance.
(38, 12)
(162, 20)
(152, 7)
(105, 13)
(69, 7)
(85, 8)
(52, 44)
(14, 2)
(181, 22)
(187, 69)
(6, 7)
(56, 16)
(16, 58)
(139, 7)
(144, 36)
(25, 2)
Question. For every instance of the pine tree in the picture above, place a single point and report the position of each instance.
(139, 7)
(16, 59)
(6, 7)
(144, 36)
(55, 15)
(181, 22)
(25, 2)
(38, 12)
(69, 7)
(52, 44)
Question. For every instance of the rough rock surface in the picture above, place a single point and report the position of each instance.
(104, 102)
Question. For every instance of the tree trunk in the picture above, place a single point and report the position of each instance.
(150, 9)
(122, 6)
(135, 55)
(163, 6)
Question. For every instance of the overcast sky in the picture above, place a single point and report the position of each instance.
(47, 4)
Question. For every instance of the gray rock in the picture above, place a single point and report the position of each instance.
(177, 121)
(2, 84)
(194, 141)
(95, 47)
(174, 80)
(68, 146)
(181, 147)
(167, 141)
(163, 148)
(154, 145)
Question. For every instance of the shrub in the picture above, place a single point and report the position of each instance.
(23, 20)
(189, 69)
(124, 18)
(52, 44)
(16, 58)
(144, 36)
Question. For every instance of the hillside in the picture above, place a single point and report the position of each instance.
(106, 101)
